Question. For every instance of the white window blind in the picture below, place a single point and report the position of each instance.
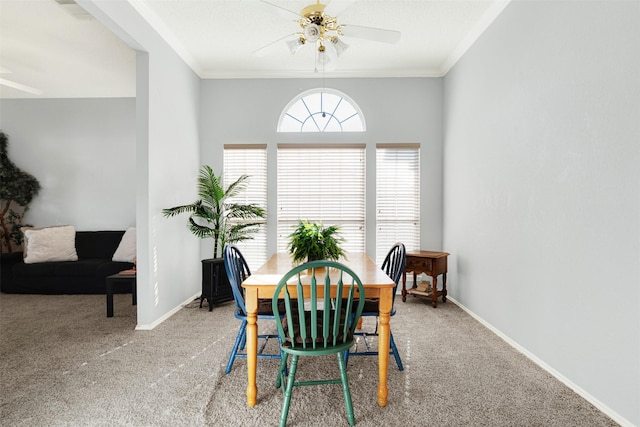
(249, 160)
(397, 197)
(323, 183)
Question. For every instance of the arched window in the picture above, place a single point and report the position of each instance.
(321, 110)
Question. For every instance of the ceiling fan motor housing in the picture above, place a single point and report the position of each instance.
(314, 10)
(316, 20)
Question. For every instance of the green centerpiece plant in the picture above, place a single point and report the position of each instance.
(312, 241)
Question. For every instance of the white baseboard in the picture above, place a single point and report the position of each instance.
(166, 316)
(588, 397)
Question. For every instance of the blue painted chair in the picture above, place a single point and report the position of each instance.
(393, 266)
(314, 324)
(237, 271)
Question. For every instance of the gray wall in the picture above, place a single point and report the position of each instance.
(542, 189)
(83, 153)
(541, 185)
(395, 110)
(167, 150)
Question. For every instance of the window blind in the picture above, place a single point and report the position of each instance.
(397, 197)
(323, 183)
(249, 160)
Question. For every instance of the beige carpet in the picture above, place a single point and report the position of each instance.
(64, 363)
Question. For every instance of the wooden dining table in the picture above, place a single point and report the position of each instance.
(262, 284)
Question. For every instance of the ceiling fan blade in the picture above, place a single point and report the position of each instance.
(371, 33)
(266, 49)
(336, 7)
(278, 10)
(20, 86)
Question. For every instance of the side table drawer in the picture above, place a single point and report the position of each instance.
(419, 265)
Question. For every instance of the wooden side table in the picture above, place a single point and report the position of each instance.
(432, 264)
(116, 279)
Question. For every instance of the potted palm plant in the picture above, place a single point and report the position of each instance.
(312, 241)
(214, 216)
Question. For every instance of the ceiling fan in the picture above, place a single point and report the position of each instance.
(16, 85)
(320, 28)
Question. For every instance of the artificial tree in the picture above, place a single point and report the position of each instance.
(213, 216)
(17, 189)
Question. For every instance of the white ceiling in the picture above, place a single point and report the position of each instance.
(46, 46)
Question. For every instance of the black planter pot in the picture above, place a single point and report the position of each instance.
(215, 283)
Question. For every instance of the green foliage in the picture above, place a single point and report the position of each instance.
(313, 241)
(15, 184)
(212, 216)
(16, 188)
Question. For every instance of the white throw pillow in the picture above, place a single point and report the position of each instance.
(126, 251)
(50, 244)
(25, 247)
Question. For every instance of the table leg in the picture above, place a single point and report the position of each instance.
(134, 292)
(109, 284)
(444, 287)
(404, 286)
(251, 301)
(434, 291)
(384, 334)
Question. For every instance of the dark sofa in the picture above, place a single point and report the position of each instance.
(86, 276)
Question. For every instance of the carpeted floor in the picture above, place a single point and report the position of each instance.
(64, 363)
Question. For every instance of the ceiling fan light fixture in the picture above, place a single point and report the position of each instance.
(339, 45)
(312, 32)
(326, 57)
(295, 45)
(323, 59)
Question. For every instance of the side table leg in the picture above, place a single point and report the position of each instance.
(134, 292)
(109, 298)
(434, 292)
(444, 287)
(404, 286)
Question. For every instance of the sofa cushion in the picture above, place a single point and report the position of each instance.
(126, 251)
(97, 244)
(43, 269)
(82, 268)
(50, 244)
(24, 237)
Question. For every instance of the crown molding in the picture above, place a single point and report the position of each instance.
(487, 19)
(167, 35)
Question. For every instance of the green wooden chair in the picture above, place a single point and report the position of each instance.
(314, 324)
